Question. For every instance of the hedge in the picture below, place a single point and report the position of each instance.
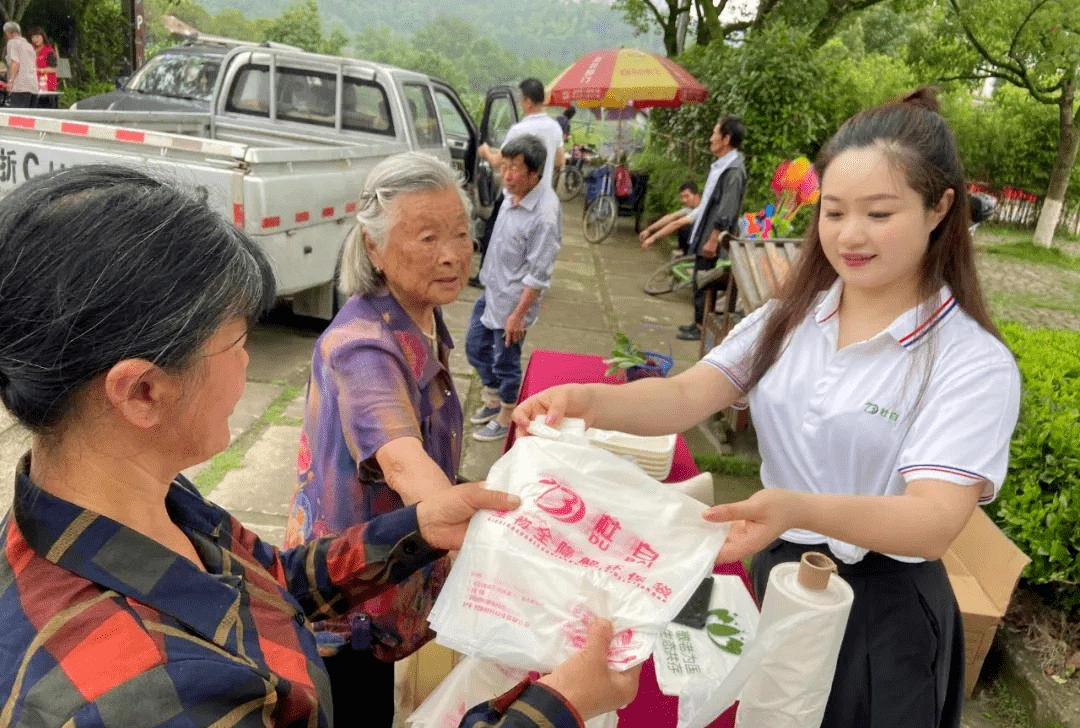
(1039, 504)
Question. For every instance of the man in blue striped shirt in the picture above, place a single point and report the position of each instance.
(516, 272)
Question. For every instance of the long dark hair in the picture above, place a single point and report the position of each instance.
(919, 142)
(102, 263)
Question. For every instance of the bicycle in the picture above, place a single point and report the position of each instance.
(570, 179)
(602, 211)
(676, 274)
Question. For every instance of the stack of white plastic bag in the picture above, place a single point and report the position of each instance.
(594, 536)
(471, 682)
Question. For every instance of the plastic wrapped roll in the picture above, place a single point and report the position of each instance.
(791, 686)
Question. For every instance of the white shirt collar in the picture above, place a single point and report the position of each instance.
(725, 161)
(910, 328)
(532, 198)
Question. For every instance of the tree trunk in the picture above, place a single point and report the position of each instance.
(14, 9)
(827, 25)
(681, 24)
(709, 21)
(1068, 141)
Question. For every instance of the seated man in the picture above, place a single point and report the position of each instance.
(679, 221)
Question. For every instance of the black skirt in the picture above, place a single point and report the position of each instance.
(901, 663)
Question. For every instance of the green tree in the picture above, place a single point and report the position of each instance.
(822, 18)
(13, 9)
(1033, 45)
(100, 51)
(301, 25)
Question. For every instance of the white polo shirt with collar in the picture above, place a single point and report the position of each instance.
(932, 397)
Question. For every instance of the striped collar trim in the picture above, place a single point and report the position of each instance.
(911, 327)
(940, 307)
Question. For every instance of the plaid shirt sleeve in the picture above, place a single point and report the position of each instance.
(103, 627)
(526, 705)
(328, 576)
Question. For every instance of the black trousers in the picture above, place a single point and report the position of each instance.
(901, 663)
(700, 263)
(361, 689)
(682, 235)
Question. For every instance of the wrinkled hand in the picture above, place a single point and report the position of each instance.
(755, 522)
(566, 400)
(586, 681)
(444, 516)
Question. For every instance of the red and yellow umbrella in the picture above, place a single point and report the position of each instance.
(625, 77)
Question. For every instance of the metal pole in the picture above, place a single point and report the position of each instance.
(137, 19)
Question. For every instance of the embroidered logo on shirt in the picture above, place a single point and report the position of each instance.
(872, 409)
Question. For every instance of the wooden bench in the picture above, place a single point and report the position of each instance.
(757, 268)
(756, 271)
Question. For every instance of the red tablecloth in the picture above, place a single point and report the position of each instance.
(651, 708)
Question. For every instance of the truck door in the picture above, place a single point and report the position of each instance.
(500, 113)
(461, 134)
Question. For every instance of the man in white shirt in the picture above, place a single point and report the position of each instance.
(535, 122)
(21, 60)
(678, 222)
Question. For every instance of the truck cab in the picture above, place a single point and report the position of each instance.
(283, 149)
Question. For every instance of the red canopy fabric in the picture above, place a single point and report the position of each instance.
(621, 77)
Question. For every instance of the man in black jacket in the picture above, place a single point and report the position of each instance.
(719, 210)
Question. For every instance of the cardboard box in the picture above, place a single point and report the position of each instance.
(418, 674)
(983, 566)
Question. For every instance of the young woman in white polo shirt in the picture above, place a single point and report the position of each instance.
(884, 401)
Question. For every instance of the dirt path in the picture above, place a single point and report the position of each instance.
(1034, 294)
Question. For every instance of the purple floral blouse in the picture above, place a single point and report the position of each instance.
(374, 378)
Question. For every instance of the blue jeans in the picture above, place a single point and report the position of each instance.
(499, 365)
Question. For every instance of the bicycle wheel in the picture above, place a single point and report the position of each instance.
(600, 217)
(570, 183)
(675, 274)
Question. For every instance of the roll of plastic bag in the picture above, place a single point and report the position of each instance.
(471, 682)
(594, 537)
(790, 686)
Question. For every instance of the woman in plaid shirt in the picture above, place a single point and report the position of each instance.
(126, 598)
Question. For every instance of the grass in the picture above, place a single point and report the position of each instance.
(1028, 252)
(731, 465)
(1006, 710)
(1009, 301)
(233, 456)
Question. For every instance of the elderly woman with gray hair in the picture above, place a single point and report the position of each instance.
(383, 423)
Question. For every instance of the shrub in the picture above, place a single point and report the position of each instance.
(791, 95)
(72, 93)
(1039, 504)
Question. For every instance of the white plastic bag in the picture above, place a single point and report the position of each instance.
(472, 682)
(594, 537)
(687, 658)
(785, 669)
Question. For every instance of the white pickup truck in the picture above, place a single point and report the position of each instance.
(283, 151)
